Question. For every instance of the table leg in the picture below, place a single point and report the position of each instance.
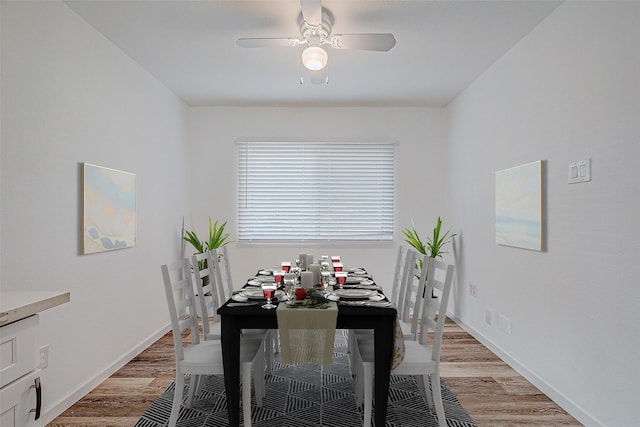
(230, 337)
(383, 353)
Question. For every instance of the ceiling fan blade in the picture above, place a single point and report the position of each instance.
(312, 11)
(381, 42)
(267, 42)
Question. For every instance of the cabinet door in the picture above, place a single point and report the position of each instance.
(18, 399)
(18, 349)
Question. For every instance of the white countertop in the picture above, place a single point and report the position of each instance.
(17, 305)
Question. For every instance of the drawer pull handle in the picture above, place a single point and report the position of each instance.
(38, 388)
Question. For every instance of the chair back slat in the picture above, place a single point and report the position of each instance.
(181, 305)
(408, 279)
(418, 291)
(223, 290)
(434, 311)
(397, 276)
(225, 268)
(177, 278)
(184, 323)
(203, 275)
(207, 295)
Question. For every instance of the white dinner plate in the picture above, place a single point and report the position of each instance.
(257, 294)
(258, 280)
(366, 282)
(354, 293)
(375, 297)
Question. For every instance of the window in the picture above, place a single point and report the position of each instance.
(315, 191)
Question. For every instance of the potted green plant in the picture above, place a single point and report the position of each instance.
(433, 246)
(217, 238)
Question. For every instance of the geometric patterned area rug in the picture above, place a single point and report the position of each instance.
(309, 396)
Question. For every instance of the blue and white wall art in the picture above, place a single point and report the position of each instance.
(109, 206)
(518, 206)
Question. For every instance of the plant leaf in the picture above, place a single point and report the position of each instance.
(437, 242)
(192, 238)
(434, 244)
(216, 236)
(413, 238)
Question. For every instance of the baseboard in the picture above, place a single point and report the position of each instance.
(66, 402)
(559, 398)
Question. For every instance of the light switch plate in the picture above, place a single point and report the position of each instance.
(580, 171)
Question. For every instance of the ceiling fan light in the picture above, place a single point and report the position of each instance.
(314, 58)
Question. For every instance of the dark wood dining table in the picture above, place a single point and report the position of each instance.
(234, 319)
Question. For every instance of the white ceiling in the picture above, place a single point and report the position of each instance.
(442, 46)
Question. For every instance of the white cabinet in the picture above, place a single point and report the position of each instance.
(20, 402)
(20, 388)
(18, 349)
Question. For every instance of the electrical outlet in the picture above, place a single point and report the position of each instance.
(488, 317)
(44, 356)
(473, 289)
(504, 324)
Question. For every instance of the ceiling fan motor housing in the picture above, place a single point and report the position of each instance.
(316, 35)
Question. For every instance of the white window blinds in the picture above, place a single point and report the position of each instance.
(314, 191)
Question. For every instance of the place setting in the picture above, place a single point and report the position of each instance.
(263, 276)
(351, 280)
(355, 283)
(263, 296)
(357, 273)
(359, 297)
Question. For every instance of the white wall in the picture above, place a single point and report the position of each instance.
(567, 91)
(421, 163)
(69, 96)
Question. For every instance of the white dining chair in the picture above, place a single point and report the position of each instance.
(398, 273)
(208, 297)
(222, 274)
(225, 267)
(216, 289)
(403, 279)
(422, 356)
(410, 296)
(223, 284)
(200, 357)
(211, 326)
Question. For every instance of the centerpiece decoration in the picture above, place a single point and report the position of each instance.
(309, 298)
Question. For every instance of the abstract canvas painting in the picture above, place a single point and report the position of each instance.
(518, 206)
(109, 209)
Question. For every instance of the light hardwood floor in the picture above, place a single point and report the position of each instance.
(492, 393)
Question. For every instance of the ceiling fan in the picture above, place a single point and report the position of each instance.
(316, 23)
